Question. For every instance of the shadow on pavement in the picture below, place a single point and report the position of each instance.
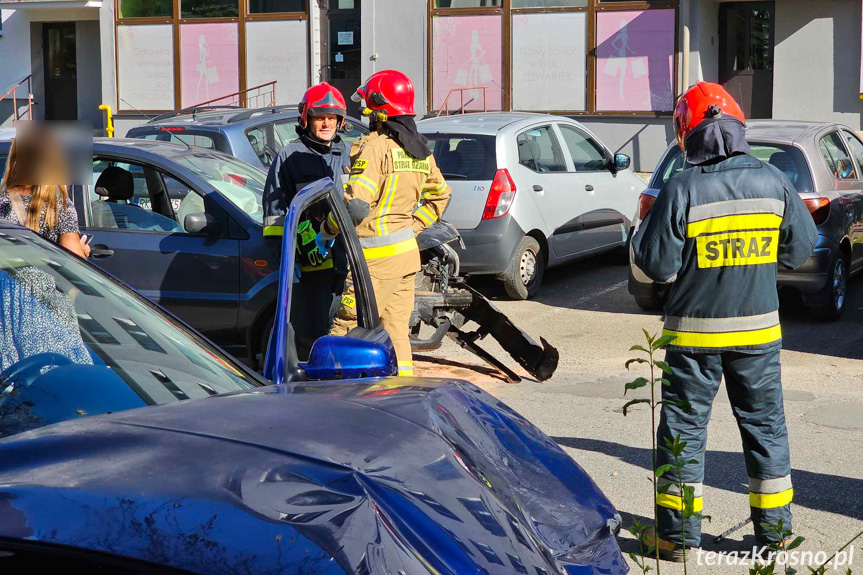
(727, 470)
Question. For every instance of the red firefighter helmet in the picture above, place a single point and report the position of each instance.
(387, 93)
(703, 101)
(322, 99)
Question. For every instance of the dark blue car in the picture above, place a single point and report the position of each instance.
(130, 444)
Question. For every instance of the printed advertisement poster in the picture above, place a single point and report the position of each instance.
(635, 61)
(467, 52)
(146, 67)
(209, 62)
(549, 61)
(289, 65)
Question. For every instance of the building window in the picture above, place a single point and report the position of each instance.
(209, 62)
(288, 65)
(573, 56)
(209, 8)
(467, 52)
(635, 61)
(549, 61)
(145, 66)
(146, 8)
(273, 6)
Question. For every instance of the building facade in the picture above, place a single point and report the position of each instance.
(616, 65)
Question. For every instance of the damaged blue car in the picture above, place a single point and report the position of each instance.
(131, 444)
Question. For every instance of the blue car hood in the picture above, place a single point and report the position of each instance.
(384, 476)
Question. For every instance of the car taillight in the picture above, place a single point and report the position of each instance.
(645, 202)
(819, 208)
(500, 196)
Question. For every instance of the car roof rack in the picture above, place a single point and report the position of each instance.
(245, 115)
(192, 111)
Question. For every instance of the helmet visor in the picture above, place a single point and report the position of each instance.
(357, 97)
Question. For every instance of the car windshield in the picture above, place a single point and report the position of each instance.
(464, 156)
(788, 159)
(74, 343)
(242, 184)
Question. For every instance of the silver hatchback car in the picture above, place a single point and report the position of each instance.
(531, 191)
(825, 163)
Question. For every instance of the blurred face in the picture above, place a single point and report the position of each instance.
(323, 127)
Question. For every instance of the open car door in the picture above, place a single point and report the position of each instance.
(367, 350)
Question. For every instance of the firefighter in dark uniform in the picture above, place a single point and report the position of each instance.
(317, 153)
(718, 231)
(394, 192)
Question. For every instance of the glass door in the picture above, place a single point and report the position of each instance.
(746, 41)
(344, 64)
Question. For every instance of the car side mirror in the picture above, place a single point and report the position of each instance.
(202, 223)
(339, 357)
(621, 162)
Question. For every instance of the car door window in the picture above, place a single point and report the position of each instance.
(837, 157)
(264, 142)
(539, 150)
(586, 153)
(129, 196)
(238, 182)
(856, 150)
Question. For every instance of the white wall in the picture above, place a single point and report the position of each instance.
(817, 61)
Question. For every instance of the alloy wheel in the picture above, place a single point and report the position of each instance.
(839, 284)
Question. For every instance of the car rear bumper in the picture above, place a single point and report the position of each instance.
(489, 246)
(808, 278)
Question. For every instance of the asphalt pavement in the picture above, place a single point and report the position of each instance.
(585, 311)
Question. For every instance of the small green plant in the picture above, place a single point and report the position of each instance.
(783, 543)
(822, 569)
(674, 447)
(637, 529)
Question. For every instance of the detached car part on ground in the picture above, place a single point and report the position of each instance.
(825, 164)
(184, 228)
(130, 443)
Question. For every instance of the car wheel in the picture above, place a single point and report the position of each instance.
(834, 294)
(524, 275)
(653, 302)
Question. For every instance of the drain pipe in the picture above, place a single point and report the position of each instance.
(684, 59)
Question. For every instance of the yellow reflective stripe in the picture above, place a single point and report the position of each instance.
(391, 250)
(734, 223)
(674, 502)
(274, 231)
(771, 500)
(331, 220)
(386, 204)
(406, 368)
(364, 182)
(727, 339)
(737, 249)
(426, 215)
(328, 264)
(434, 191)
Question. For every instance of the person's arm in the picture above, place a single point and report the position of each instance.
(68, 233)
(75, 244)
(362, 189)
(435, 197)
(797, 233)
(275, 203)
(658, 245)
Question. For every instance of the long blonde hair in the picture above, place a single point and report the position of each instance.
(34, 160)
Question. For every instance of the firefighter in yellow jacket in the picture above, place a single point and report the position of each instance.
(394, 192)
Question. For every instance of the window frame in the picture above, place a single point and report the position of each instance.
(854, 168)
(593, 7)
(590, 138)
(556, 149)
(176, 21)
(848, 136)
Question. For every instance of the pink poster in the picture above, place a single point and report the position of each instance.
(635, 61)
(209, 62)
(467, 52)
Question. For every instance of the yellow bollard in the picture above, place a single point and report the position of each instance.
(109, 126)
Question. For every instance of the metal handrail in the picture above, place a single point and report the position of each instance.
(242, 97)
(461, 91)
(14, 92)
